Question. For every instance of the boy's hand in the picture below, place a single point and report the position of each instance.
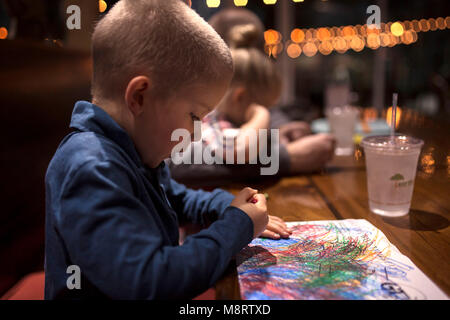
(256, 210)
(276, 229)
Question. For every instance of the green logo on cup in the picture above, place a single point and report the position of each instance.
(397, 177)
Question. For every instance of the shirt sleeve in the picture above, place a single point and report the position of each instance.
(195, 206)
(118, 243)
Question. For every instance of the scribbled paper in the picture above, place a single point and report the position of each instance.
(345, 259)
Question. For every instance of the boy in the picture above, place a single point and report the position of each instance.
(112, 208)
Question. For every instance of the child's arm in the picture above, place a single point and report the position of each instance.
(201, 208)
(117, 241)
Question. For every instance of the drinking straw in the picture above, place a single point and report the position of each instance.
(394, 115)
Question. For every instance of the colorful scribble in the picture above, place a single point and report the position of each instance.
(347, 259)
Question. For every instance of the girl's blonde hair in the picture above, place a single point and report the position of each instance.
(252, 68)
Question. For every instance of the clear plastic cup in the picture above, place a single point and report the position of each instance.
(342, 122)
(391, 165)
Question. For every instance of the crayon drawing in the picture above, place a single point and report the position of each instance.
(346, 259)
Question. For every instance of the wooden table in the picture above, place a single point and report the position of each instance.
(340, 192)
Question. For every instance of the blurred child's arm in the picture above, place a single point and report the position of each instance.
(257, 117)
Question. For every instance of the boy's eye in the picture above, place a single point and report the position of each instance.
(194, 117)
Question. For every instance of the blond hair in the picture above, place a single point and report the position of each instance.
(224, 20)
(252, 68)
(163, 39)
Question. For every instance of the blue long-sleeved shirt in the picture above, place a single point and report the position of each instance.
(117, 220)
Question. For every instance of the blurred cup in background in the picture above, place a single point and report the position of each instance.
(342, 121)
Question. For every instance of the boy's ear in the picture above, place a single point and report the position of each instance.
(239, 96)
(136, 93)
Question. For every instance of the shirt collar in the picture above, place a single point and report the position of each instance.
(88, 117)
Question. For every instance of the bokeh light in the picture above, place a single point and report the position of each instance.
(323, 34)
(293, 50)
(357, 43)
(397, 29)
(297, 35)
(424, 25)
(309, 49)
(240, 3)
(3, 33)
(398, 116)
(213, 3)
(102, 6)
(272, 37)
(326, 47)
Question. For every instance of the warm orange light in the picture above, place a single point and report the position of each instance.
(440, 22)
(277, 49)
(102, 6)
(357, 43)
(393, 40)
(297, 35)
(407, 25)
(339, 44)
(432, 23)
(294, 50)
(407, 37)
(398, 116)
(424, 25)
(326, 47)
(372, 29)
(3, 33)
(272, 37)
(415, 25)
(362, 31)
(373, 41)
(370, 114)
(414, 35)
(384, 39)
(323, 34)
(335, 31)
(397, 29)
(348, 32)
(308, 34)
(427, 164)
(309, 49)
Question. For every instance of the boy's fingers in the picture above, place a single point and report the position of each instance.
(261, 198)
(281, 223)
(246, 194)
(270, 234)
(274, 227)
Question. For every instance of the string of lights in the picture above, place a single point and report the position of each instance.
(325, 40)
